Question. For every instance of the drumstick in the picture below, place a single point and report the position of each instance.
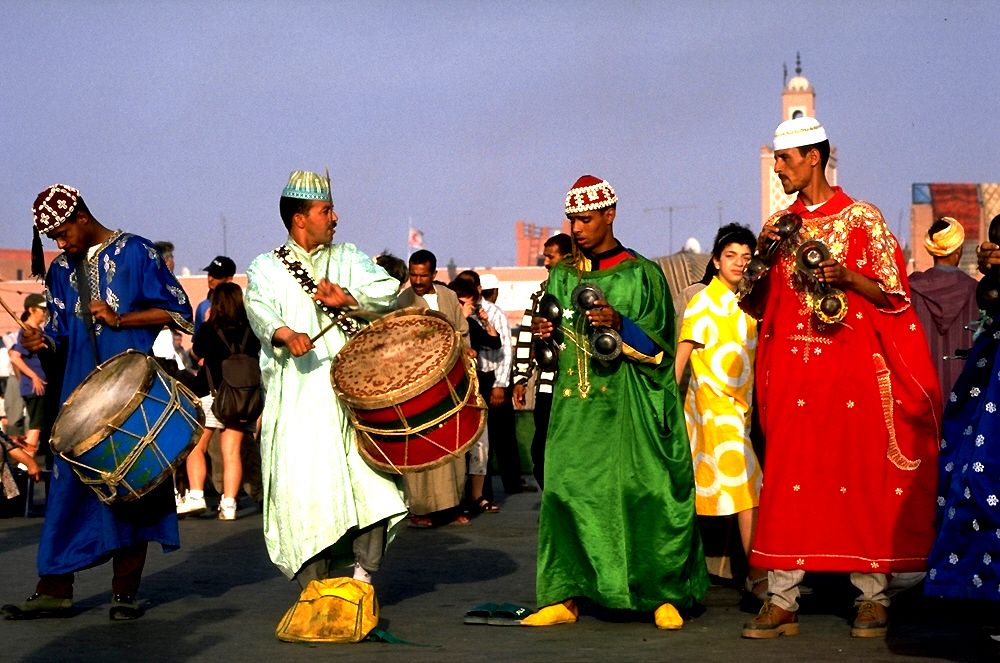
(20, 323)
(324, 330)
(358, 313)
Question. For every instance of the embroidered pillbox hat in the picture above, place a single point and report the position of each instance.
(590, 193)
(947, 241)
(54, 206)
(307, 185)
(798, 132)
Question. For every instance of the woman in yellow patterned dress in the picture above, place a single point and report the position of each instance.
(719, 339)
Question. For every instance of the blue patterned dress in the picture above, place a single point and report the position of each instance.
(128, 273)
(965, 560)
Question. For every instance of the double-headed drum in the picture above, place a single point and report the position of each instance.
(411, 391)
(127, 426)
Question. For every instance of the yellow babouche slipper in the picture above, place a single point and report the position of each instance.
(667, 618)
(558, 613)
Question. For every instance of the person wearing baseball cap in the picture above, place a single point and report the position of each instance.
(854, 494)
(222, 269)
(107, 292)
(617, 523)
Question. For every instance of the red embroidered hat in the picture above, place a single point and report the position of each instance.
(54, 206)
(589, 193)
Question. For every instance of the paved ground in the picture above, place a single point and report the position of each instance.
(219, 598)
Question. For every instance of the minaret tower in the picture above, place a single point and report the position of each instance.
(797, 99)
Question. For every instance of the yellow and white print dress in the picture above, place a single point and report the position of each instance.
(717, 408)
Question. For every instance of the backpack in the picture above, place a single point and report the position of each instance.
(238, 397)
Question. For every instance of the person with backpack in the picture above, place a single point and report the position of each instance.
(232, 397)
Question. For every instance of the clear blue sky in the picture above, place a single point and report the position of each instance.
(465, 116)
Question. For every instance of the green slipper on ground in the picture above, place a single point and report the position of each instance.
(508, 614)
(480, 614)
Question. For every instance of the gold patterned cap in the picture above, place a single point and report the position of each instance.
(307, 185)
(798, 132)
(947, 240)
(54, 206)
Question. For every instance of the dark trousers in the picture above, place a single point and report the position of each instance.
(543, 408)
(126, 563)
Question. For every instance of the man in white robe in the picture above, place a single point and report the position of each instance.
(324, 507)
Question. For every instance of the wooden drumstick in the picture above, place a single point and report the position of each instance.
(17, 319)
(333, 323)
(357, 313)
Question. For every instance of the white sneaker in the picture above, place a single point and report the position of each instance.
(227, 509)
(191, 505)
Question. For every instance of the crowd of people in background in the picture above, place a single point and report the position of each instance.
(823, 386)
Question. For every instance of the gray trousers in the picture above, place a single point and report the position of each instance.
(783, 588)
(368, 546)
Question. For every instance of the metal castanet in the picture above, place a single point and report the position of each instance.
(829, 303)
(786, 226)
(605, 342)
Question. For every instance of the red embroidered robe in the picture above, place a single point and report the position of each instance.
(850, 411)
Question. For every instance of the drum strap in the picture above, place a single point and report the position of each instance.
(349, 326)
(83, 288)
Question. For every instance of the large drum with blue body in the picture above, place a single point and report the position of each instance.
(127, 426)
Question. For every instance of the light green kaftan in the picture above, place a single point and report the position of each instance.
(317, 488)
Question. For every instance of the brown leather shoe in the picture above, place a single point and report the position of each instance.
(771, 622)
(872, 620)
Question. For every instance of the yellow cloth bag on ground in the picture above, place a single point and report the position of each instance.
(331, 610)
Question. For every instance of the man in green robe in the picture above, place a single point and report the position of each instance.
(324, 507)
(617, 521)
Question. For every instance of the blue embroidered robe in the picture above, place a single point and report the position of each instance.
(128, 273)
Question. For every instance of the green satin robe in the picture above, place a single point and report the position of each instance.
(618, 522)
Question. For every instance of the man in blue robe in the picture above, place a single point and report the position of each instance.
(109, 291)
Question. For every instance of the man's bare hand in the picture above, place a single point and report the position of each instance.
(987, 255)
(541, 327)
(102, 312)
(518, 396)
(33, 339)
(833, 273)
(333, 295)
(768, 235)
(296, 342)
(602, 315)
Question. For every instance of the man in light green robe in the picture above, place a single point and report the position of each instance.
(324, 507)
(617, 522)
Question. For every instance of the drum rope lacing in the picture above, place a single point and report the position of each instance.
(473, 388)
(116, 478)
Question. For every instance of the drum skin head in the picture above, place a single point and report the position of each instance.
(104, 399)
(397, 357)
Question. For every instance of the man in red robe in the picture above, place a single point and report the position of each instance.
(849, 406)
